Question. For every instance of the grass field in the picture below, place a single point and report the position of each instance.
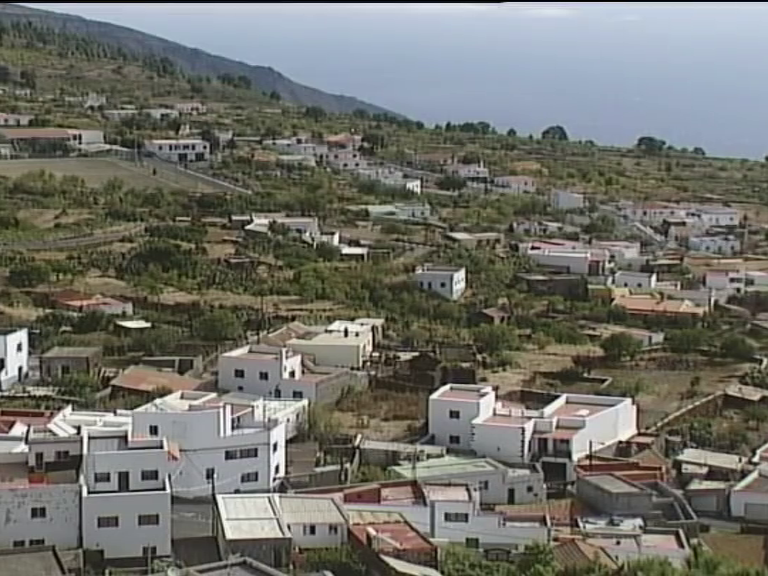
(96, 171)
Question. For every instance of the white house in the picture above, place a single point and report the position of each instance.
(306, 227)
(496, 483)
(586, 261)
(15, 119)
(469, 417)
(261, 370)
(469, 171)
(448, 512)
(345, 159)
(400, 211)
(179, 151)
(566, 200)
(624, 279)
(161, 114)
(749, 498)
(448, 281)
(236, 455)
(126, 494)
(313, 521)
(14, 356)
(735, 280)
(711, 216)
(391, 177)
(654, 213)
(516, 184)
(119, 114)
(342, 344)
(722, 245)
(193, 108)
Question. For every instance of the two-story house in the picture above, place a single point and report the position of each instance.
(14, 356)
(448, 281)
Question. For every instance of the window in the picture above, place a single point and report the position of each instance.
(154, 430)
(249, 453)
(230, 455)
(210, 473)
(149, 475)
(277, 469)
(149, 551)
(264, 376)
(60, 455)
(309, 529)
(239, 388)
(484, 485)
(298, 394)
(278, 393)
(149, 519)
(462, 517)
(18, 543)
(442, 284)
(473, 543)
(529, 489)
(249, 477)
(454, 439)
(19, 347)
(239, 373)
(274, 447)
(108, 522)
(101, 477)
(37, 542)
(38, 512)
(454, 414)
(292, 374)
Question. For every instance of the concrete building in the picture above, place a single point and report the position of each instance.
(446, 512)
(722, 245)
(345, 159)
(558, 434)
(749, 498)
(268, 526)
(566, 200)
(348, 349)
(119, 115)
(193, 108)
(624, 279)
(516, 184)
(15, 119)
(126, 494)
(79, 303)
(62, 361)
(373, 534)
(235, 448)
(448, 281)
(653, 213)
(469, 171)
(14, 356)
(711, 216)
(496, 482)
(587, 262)
(179, 151)
(306, 227)
(399, 211)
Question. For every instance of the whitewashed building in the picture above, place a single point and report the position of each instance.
(15, 119)
(516, 184)
(712, 216)
(566, 200)
(469, 417)
(193, 108)
(14, 356)
(749, 498)
(653, 213)
(341, 344)
(625, 279)
(721, 245)
(391, 177)
(448, 281)
(469, 171)
(496, 483)
(179, 151)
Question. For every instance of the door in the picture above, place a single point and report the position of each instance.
(123, 483)
(510, 495)
(39, 460)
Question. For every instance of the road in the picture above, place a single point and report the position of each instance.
(104, 237)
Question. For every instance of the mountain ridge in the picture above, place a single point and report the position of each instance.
(189, 59)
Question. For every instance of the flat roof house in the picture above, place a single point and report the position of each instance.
(179, 151)
(469, 417)
(14, 356)
(448, 281)
(62, 361)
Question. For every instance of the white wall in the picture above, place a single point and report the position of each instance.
(74, 445)
(61, 525)
(449, 285)
(726, 246)
(128, 538)
(606, 427)
(323, 538)
(574, 263)
(624, 279)
(565, 200)
(334, 352)
(506, 443)
(254, 369)
(131, 461)
(14, 350)
(443, 426)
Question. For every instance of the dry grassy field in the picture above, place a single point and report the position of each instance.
(96, 171)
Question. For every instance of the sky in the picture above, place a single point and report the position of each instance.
(690, 73)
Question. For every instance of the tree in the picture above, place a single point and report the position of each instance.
(511, 132)
(686, 341)
(218, 325)
(275, 96)
(555, 133)
(699, 151)
(315, 113)
(650, 145)
(375, 140)
(755, 414)
(738, 348)
(619, 346)
(495, 338)
(29, 275)
(91, 321)
(451, 183)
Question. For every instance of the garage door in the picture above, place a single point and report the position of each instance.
(756, 512)
(705, 503)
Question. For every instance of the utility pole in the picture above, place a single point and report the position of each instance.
(213, 504)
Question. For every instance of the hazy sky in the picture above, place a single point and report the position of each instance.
(693, 74)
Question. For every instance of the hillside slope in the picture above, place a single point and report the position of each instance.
(191, 60)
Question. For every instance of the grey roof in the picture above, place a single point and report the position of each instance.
(249, 517)
(297, 509)
(403, 567)
(235, 566)
(72, 352)
(611, 483)
(709, 458)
